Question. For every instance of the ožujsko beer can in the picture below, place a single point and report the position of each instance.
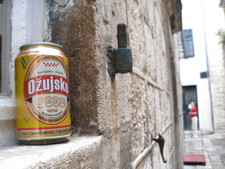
(42, 94)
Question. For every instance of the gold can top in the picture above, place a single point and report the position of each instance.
(36, 44)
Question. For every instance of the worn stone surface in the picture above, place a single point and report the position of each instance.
(77, 36)
(78, 153)
(113, 96)
(217, 74)
(148, 109)
(62, 2)
(211, 145)
(131, 109)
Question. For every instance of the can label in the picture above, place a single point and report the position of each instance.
(42, 97)
(46, 90)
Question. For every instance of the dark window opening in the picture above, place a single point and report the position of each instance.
(1, 8)
(188, 44)
(0, 63)
(203, 75)
(5, 45)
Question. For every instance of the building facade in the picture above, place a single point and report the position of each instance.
(202, 63)
(114, 119)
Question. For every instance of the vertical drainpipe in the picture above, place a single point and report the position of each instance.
(175, 110)
(176, 115)
(175, 118)
(208, 72)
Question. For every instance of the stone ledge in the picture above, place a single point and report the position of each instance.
(49, 156)
(7, 121)
(7, 108)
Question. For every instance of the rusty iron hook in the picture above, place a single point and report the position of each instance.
(161, 141)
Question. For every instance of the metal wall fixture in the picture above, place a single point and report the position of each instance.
(161, 141)
(120, 59)
(148, 149)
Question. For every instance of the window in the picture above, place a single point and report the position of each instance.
(5, 50)
(1, 42)
(188, 43)
(203, 75)
(20, 22)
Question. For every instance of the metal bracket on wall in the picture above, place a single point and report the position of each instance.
(161, 141)
(120, 60)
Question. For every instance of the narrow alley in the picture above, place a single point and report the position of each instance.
(211, 145)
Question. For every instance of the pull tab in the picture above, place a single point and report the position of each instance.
(161, 141)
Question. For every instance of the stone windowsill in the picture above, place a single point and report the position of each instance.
(14, 156)
(48, 156)
(7, 108)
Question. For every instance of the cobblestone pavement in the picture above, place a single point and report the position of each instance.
(211, 145)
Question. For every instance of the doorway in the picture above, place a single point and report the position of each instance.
(189, 94)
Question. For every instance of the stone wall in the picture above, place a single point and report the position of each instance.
(217, 79)
(136, 106)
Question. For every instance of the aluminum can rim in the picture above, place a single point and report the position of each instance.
(40, 43)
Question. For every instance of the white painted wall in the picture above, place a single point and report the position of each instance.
(205, 18)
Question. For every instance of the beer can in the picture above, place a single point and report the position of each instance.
(42, 94)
